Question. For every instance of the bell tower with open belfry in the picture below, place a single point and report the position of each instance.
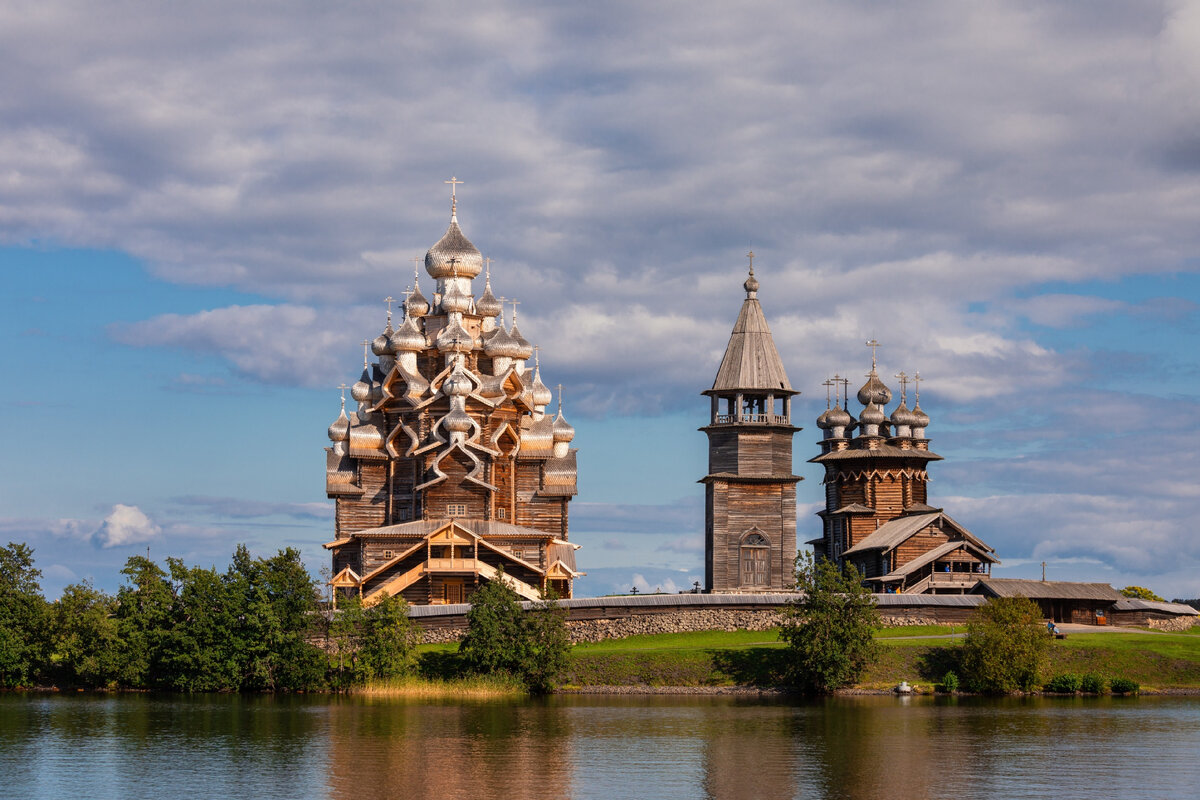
(750, 491)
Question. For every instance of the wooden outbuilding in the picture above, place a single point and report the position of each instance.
(1060, 601)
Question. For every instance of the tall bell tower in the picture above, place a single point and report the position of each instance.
(750, 491)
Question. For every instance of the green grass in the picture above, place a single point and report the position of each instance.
(908, 631)
(684, 641)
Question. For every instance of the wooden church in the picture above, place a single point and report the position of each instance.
(877, 515)
(750, 491)
(451, 468)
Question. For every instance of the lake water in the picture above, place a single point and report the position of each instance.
(143, 746)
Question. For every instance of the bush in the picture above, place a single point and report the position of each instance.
(1005, 648)
(502, 639)
(1067, 683)
(1092, 683)
(830, 630)
(1124, 686)
(950, 682)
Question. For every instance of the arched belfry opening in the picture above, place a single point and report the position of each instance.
(750, 491)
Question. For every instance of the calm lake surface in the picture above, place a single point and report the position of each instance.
(144, 746)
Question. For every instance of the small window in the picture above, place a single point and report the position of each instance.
(389, 554)
(501, 513)
(518, 552)
(456, 509)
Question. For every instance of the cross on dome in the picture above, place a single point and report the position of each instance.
(453, 196)
(874, 345)
(904, 379)
(366, 343)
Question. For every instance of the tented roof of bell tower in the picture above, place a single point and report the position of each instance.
(751, 360)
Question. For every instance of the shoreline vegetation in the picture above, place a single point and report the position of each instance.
(259, 626)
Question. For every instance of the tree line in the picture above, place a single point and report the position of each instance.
(259, 625)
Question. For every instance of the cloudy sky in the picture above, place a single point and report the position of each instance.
(202, 207)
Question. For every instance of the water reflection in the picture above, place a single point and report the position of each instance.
(595, 747)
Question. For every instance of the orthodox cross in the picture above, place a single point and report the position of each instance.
(515, 303)
(874, 345)
(454, 182)
(343, 387)
(903, 378)
(488, 266)
(845, 382)
(560, 399)
(389, 300)
(503, 300)
(537, 363)
(828, 382)
(417, 265)
(750, 256)
(917, 387)
(365, 343)
(407, 294)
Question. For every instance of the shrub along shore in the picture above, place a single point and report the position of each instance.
(260, 626)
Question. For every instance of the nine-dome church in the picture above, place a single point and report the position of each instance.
(452, 467)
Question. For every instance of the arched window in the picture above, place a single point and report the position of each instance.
(755, 556)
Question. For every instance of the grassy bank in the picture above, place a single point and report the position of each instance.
(756, 658)
(429, 688)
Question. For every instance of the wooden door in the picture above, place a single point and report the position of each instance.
(754, 557)
(452, 591)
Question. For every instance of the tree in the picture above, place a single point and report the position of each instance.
(22, 616)
(1140, 593)
(830, 629)
(84, 640)
(1005, 648)
(373, 643)
(495, 631)
(547, 645)
(145, 608)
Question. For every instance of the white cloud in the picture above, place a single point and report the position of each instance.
(126, 525)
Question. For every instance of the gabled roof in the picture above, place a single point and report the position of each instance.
(936, 553)
(1047, 590)
(890, 534)
(751, 360)
(883, 451)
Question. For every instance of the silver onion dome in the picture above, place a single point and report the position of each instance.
(901, 415)
(487, 305)
(361, 390)
(838, 417)
(872, 415)
(453, 255)
(823, 420)
(382, 345)
(919, 418)
(408, 337)
(525, 349)
(562, 430)
(542, 396)
(501, 345)
(458, 384)
(339, 430)
(457, 421)
(456, 300)
(874, 391)
(454, 338)
(416, 305)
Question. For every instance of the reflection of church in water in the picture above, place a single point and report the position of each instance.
(451, 468)
(876, 516)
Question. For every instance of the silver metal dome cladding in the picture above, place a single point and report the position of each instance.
(823, 420)
(408, 337)
(501, 345)
(542, 396)
(416, 305)
(872, 415)
(454, 339)
(525, 348)
(458, 384)
(839, 417)
(456, 300)
(339, 430)
(453, 255)
(901, 415)
(382, 346)
(361, 390)
(874, 391)
(487, 305)
(920, 418)
(457, 421)
(562, 430)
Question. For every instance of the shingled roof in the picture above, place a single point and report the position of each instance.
(751, 360)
